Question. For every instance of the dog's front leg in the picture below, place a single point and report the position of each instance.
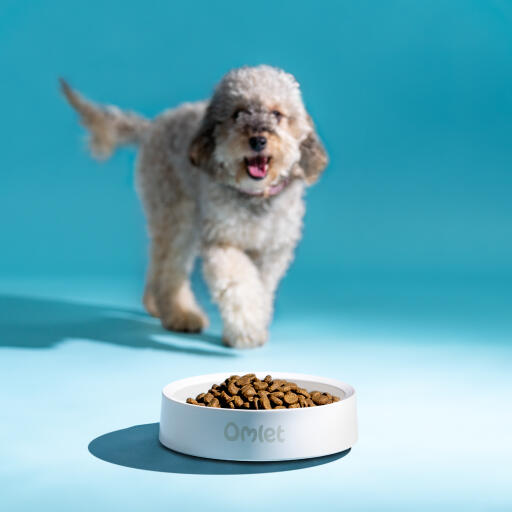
(236, 286)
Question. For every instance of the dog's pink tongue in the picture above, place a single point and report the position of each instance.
(257, 168)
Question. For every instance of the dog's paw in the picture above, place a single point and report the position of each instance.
(185, 321)
(247, 336)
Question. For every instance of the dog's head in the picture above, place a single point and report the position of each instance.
(256, 134)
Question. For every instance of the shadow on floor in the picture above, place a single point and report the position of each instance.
(37, 324)
(138, 447)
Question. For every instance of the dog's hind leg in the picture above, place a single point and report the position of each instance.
(168, 196)
(158, 250)
(169, 293)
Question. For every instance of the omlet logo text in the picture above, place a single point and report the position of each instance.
(232, 432)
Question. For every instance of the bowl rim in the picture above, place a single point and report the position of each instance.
(348, 391)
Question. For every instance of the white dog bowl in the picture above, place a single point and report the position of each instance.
(262, 435)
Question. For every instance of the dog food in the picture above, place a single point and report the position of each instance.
(248, 392)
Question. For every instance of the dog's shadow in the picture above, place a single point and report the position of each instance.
(138, 447)
(38, 324)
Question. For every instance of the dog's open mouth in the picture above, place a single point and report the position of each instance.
(257, 166)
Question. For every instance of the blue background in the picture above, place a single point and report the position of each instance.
(401, 286)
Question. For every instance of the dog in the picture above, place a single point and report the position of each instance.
(225, 179)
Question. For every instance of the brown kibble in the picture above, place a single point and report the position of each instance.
(275, 400)
(232, 388)
(237, 400)
(290, 398)
(224, 396)
(320, 399)
(303, 392)
(249, 392)
(265, 403)
(245, 379)
(214, 403)
(273, 387)
(259, 385)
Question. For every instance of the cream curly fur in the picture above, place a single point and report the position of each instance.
(193, 180)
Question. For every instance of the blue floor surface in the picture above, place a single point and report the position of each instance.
(82, 366)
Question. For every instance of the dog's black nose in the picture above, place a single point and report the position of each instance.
(257, 143)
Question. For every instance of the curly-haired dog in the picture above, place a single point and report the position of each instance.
(223, 178)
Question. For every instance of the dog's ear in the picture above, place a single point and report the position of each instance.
(203, 144)
(201, 147)
(313, 159)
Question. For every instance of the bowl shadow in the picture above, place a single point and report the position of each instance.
(138, 447)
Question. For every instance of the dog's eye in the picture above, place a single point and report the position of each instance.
(239, 111)
(277, 115)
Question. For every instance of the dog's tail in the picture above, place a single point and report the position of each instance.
(109, 127)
